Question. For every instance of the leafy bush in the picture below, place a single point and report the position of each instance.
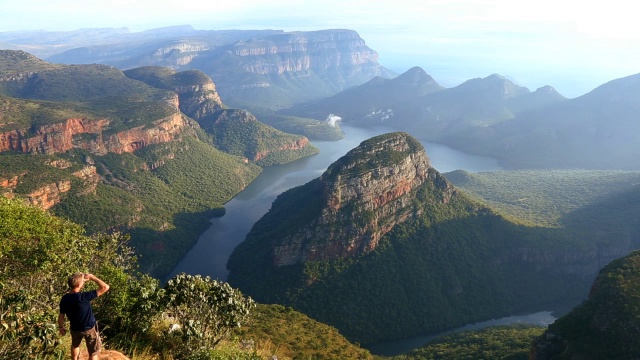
(206, 310)
(37, 253)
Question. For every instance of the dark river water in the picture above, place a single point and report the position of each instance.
(210, 254)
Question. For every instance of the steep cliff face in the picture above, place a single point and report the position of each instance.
(91, 134)
(364, 195)
(277, 70)
(197, 95)
(49, 195)
(301, 51)
(198, 101)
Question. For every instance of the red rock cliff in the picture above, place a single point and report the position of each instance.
(66, 135)
(365, 194)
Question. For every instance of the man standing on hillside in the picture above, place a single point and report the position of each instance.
(76, 305)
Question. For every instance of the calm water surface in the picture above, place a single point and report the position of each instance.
(210, 254)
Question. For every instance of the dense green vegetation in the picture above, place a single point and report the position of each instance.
(16, 62)
(238, 132)
(164, 210)
(592, 207)
(607, 325)
(494, 343)
(38, 251)
(82, 83)
(59, 92)
(543, 197)
(18, 114)
(168, 210)
(33, 172)
(163, 194)
(473, 263)
(311, 128)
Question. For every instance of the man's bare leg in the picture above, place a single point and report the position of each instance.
(75, 353)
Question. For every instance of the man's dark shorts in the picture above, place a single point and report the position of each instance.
(92, 338)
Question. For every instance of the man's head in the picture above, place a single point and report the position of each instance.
(76, 280)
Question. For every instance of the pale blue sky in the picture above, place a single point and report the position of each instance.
(567, 44)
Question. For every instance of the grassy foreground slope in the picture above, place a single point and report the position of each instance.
(38, 251)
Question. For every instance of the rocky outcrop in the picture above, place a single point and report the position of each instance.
(196, 93)
(9, 183)
(91, 135)
(90, 178)
(364, 195)
(199, 100)
(48, 195)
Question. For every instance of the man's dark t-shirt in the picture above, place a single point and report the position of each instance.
(77, 307)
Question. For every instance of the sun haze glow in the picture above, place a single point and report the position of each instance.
(570, 45)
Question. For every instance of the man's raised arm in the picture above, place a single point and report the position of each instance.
(103, 287)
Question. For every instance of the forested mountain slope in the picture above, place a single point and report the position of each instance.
(382, 246)
(112, 152)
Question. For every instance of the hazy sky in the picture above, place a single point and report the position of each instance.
(573, 46)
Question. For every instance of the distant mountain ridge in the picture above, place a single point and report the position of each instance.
(253, 68)
(373, 101)
(595, 131)
(493, 116)
(416, 103)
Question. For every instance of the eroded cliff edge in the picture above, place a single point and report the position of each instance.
(364, 194)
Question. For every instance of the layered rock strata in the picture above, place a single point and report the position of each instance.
(364, 195)
(301, 51)
(90, 134)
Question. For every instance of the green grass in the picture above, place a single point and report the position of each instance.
(288, 334)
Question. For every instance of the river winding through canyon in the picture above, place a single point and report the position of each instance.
(208, 257)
